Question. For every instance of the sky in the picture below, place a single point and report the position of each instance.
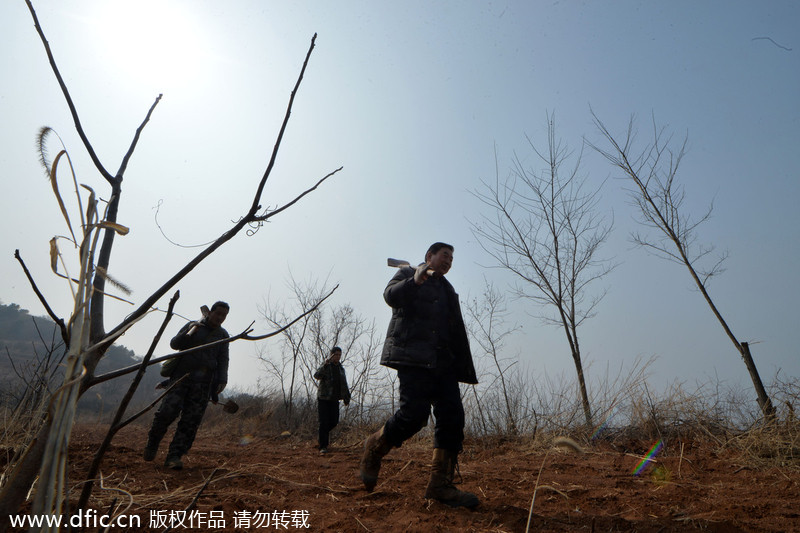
(419, 102)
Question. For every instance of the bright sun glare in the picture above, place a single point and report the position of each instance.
(156, 44)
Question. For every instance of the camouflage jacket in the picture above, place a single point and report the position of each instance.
(329, 375)
(210, 364)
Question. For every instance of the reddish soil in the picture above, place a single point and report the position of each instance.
(694, 486)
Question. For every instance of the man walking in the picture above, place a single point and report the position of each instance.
(332, 388)
(206, 374)
(427, 344)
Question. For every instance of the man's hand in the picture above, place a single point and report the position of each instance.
(421, 274)
(221, 387)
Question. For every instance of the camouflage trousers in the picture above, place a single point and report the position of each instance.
(188, 399)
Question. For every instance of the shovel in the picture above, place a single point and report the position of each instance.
(229, 406)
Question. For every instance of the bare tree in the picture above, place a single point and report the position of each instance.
(305, 346)
(672, 235)
(85, 333)
(545, 229)
(294, 342)
(361, 344)
(486, 323)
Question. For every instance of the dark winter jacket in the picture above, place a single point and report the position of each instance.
(210, 364)
(329, 375)
(412, 340)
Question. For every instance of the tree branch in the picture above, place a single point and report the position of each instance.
(105, 173)
(115, 425)
(228, 235)
(257, 198)
(59, 321)
(124, 165)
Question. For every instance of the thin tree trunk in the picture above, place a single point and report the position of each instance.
(761, 394)
(763, 398)
(570, 330)
(587, 410)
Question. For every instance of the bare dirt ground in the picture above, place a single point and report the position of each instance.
(690, 486)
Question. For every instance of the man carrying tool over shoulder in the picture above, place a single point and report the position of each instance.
(427, 344)
(332, 388)
(206, 374)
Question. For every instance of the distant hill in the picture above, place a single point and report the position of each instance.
(32, 343)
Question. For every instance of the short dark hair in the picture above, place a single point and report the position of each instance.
(335, 349)
(435, 247)
(220, 304)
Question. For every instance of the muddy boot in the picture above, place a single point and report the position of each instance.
(375, 447)
(174, 462)
(441, 487)
(149, 452)
(150, 449)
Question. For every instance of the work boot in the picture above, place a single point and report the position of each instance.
(440, 486)
(173, 462)
(375, 447)
(149, 452)
(150, 449)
